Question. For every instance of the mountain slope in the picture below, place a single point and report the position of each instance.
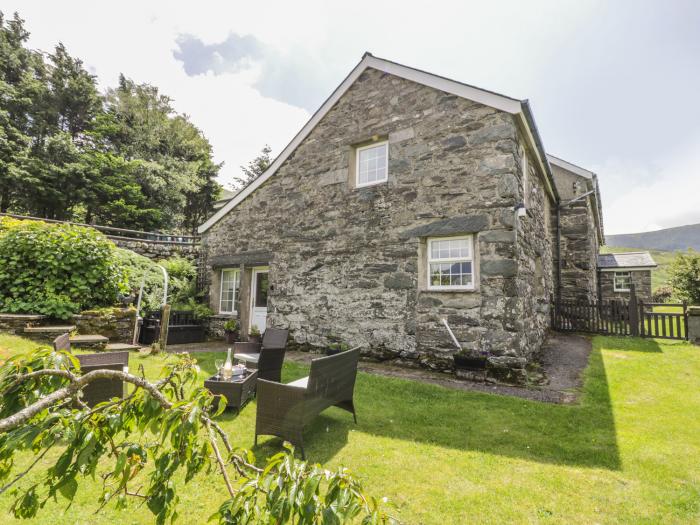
(669, 239)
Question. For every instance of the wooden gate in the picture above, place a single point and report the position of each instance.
(619, 317)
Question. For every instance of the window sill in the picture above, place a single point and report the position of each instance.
(370, 184)
(450, 290)
(225, 315)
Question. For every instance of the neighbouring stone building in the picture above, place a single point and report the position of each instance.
(619, 271)
(580, 224)
(408, 200)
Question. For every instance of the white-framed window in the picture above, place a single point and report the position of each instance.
(372, 164)
(230, 283)
(622, 281)
(451, 263)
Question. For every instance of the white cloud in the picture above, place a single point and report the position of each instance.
(589, 69)
(663, 195)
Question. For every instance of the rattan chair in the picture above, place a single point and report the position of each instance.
(101, 389)
(284, 410)
(266, 357)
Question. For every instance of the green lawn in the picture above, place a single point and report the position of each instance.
(628, 453)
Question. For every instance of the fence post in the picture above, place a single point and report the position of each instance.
(633, 312)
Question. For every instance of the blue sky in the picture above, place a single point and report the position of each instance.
(613, 85)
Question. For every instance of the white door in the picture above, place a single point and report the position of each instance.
(258, 298)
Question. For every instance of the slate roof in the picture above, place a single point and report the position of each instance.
(626, 260)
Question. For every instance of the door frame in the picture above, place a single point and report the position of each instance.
(253, 292)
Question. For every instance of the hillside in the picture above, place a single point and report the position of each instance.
(659, 276)
(669, 239)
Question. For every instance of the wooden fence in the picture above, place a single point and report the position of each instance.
(620, 317)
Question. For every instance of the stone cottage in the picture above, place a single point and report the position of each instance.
(619, 271)
(406, 202)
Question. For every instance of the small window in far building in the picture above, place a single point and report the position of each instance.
(622, 281)
(451, 263)
(372, 164)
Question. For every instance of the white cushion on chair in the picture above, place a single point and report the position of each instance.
(301, 383)
(247, 357)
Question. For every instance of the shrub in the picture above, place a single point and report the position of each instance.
(135, 268)
(7, 223)
(182, 281)
(662, 294)
(56, 269)
(685, 277)
(182, 288)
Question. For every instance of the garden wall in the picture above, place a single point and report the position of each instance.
(15, 323)
(158, 250)
(117, 324)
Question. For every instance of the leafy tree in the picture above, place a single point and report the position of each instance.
(684, 276)
(145, 440)
(21, 73)
(125, 158)
(255, 167)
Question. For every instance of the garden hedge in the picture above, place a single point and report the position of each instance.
(56, 269)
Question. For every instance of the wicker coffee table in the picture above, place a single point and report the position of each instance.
(237, 390)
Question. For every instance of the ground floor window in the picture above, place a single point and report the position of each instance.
(622, 281)
(451, 263)
(230, 282)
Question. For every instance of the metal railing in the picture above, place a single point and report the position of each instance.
(124, 234)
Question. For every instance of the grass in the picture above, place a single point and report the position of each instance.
(628, 453)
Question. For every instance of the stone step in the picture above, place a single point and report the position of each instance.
(58, 330)
(46, 334)
(121, 347)
(88, 340)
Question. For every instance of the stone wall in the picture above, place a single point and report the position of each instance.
(117, 324)
(350, 262)
(157, 250)
(642, 286)
(694, 324)
(579, 252)
(15, 323)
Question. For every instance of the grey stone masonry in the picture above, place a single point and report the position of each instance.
(351, 262)
(694, 324)
(579, 251)
(640, 278)
(157, 250)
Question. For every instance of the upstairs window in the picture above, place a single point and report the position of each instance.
(372, 164)
(451, 263)
(622, 281)
(230, 282)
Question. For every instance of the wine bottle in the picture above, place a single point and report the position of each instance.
(227, 372)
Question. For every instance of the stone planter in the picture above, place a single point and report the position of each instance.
(232, 337)
(255, 339)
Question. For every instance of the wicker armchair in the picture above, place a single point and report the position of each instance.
(267, 357)
(284, 410)
(101, 389)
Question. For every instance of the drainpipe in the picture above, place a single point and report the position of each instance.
(558, 254)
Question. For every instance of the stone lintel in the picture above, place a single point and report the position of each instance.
(451, 226)
(257, 258)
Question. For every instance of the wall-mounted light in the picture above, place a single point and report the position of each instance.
(520, 210)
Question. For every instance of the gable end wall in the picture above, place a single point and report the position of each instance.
(343, 264)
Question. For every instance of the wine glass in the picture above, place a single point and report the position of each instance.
(218, 363)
